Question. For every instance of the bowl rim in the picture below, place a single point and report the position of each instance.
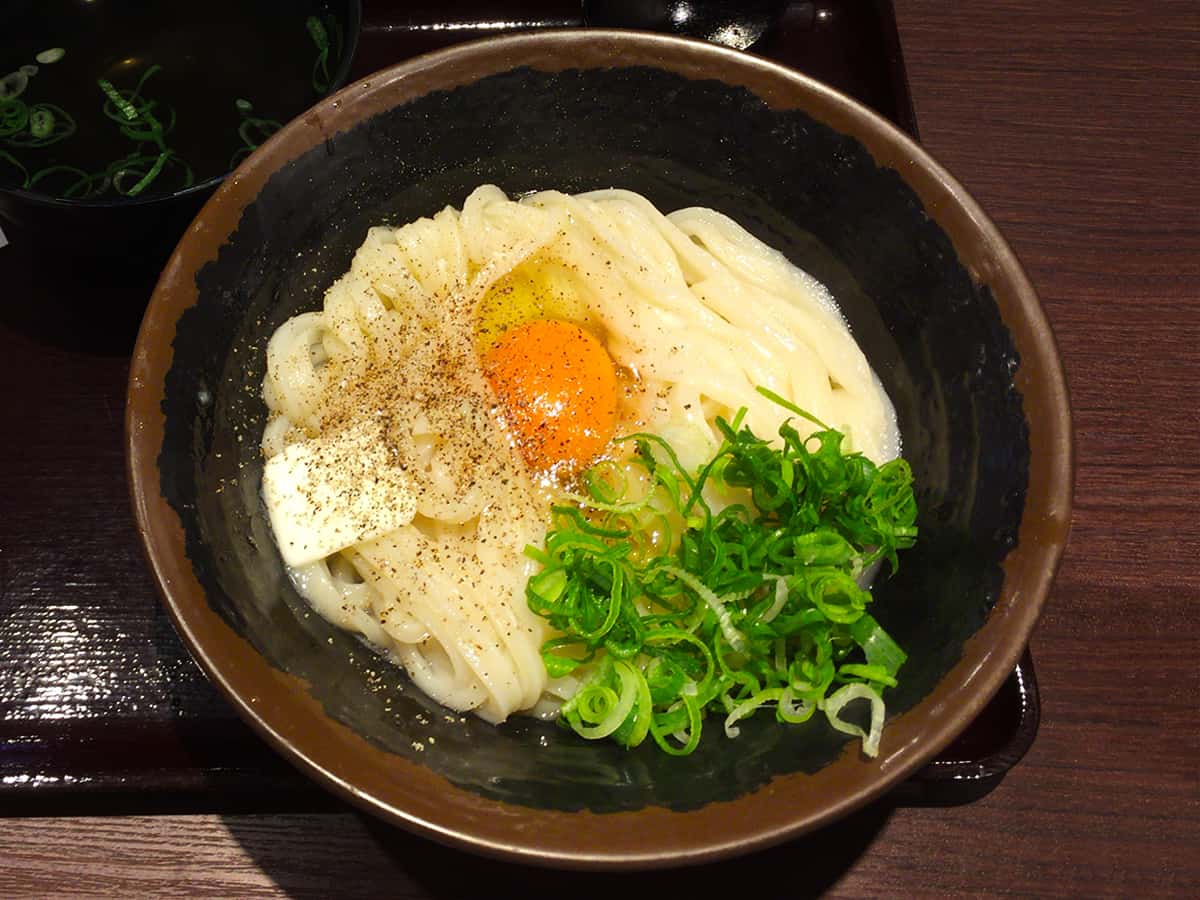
(47, 201)
(720, 830)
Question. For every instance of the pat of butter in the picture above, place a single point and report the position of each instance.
(329, 493)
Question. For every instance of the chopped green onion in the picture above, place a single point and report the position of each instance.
(844, 695)
(320, 37)
(736, 639)
(250, 124)
(14, 116)
(878, 646)
(126, 108)
(41, 123)
(79, 185)
(135, 116)
(34, 126)
(754, 605)
(157, 167)
(13, 85)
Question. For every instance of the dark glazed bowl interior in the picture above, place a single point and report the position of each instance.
(933, 295)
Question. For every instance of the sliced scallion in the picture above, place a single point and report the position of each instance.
(753, 606)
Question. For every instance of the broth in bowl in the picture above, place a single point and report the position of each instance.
(131, 99)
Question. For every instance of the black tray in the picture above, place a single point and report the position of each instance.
(101, 708)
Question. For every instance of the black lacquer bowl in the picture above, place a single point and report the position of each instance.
(932, 292)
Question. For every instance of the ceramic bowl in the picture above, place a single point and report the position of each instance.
(932, 292)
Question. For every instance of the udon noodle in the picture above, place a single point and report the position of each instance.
(383, 395)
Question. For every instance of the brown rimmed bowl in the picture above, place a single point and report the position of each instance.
(933, 294)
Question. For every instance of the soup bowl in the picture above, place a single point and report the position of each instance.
(930, 289)
(216, 79)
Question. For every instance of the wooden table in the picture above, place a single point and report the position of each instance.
(1077, 127)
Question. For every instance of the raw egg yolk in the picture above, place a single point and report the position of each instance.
(558, 387)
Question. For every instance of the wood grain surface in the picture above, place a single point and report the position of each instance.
(1076, 126)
